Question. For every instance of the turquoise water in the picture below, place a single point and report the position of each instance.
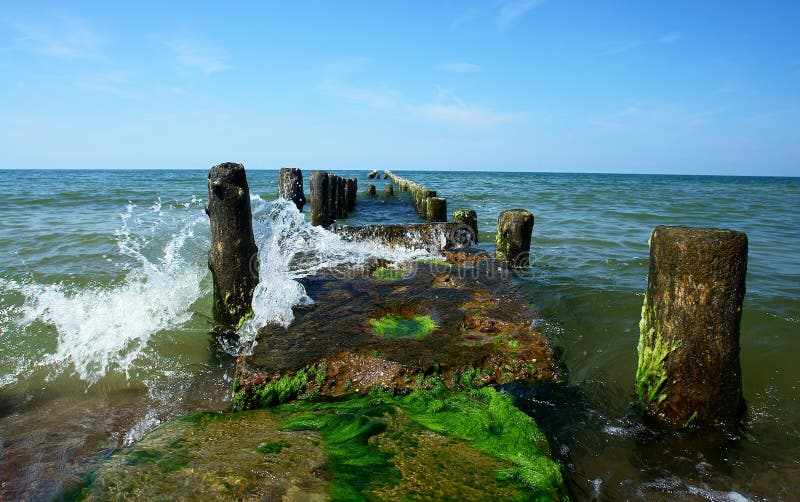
(105, 328)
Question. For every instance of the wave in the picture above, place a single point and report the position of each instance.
(101, 328)
(290, 248)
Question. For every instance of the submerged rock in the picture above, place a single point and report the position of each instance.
(390, 330)
(429, 445)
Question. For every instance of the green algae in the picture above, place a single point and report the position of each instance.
(392, 326)
(244, 319)
(354, 462)
(486, 419)
(428, 445)
(279, 391)
(389, 274)
(653, 350)
(230, 456)
(435, 261)
(271, 447)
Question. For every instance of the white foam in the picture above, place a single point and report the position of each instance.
(291, 248)
(105, 327)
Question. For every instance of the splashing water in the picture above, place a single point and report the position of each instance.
(101, 328)
(291, 248)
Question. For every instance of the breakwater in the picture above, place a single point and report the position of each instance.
(424, 200)
(589, 264)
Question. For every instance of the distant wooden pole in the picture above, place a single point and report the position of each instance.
(290, 186)
(513, 242)
(351, 192)
(371, 191)
(321, 211)
(389, 190)
(689, 371)
(436, 209)
(468, 218)
(233, 247)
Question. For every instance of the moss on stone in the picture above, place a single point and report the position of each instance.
(653, 349)
(391, 326)
(486, 419)
(435, 261)
(389, 274)
(279, 391)
(271, 447)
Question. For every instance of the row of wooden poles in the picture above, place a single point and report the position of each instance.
(688, 371)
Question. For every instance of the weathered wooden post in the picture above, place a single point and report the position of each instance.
(341, 198)
(371, 192)
(436, 209)
(689, 372)
(513, 242)
(468, 218)
(336, 199)
(233, 253)
(321, 214)
(389, 190)
(290, 186)
(351, 192)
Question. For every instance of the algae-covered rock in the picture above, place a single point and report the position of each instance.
(207, 456)
(462, 324)
(428, 445)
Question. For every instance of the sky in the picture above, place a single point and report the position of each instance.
(697, 87)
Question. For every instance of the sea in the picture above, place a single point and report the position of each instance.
(105, 327)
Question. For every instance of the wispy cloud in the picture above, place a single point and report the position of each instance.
(671, 37)
(195, 54)
(622, 48)
(649, 116)
(446, 108)
(512, 12)
(114, 83)
(336, 82)
(382, 99)
(465, 17)
(452, 110)
(460, 67)
(62, 37)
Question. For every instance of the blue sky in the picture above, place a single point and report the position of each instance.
(517, 85)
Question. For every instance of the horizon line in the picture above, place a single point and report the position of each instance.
(407, 170)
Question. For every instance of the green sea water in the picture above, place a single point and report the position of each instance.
(105, 326)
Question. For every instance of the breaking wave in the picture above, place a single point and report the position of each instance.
(105, 327)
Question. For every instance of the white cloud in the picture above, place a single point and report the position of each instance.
(465, 17)
(461, 115)
(381, 99)
(671, 37)
(639, 116)
(114, 83)
(622, 48)
(460, 67)
(64, 37)
(450, 109)
(195, 54)
(336, 83)
(512, 12)
(447, 108)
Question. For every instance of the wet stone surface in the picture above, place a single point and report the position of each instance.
(463, 324)
(377, 447)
